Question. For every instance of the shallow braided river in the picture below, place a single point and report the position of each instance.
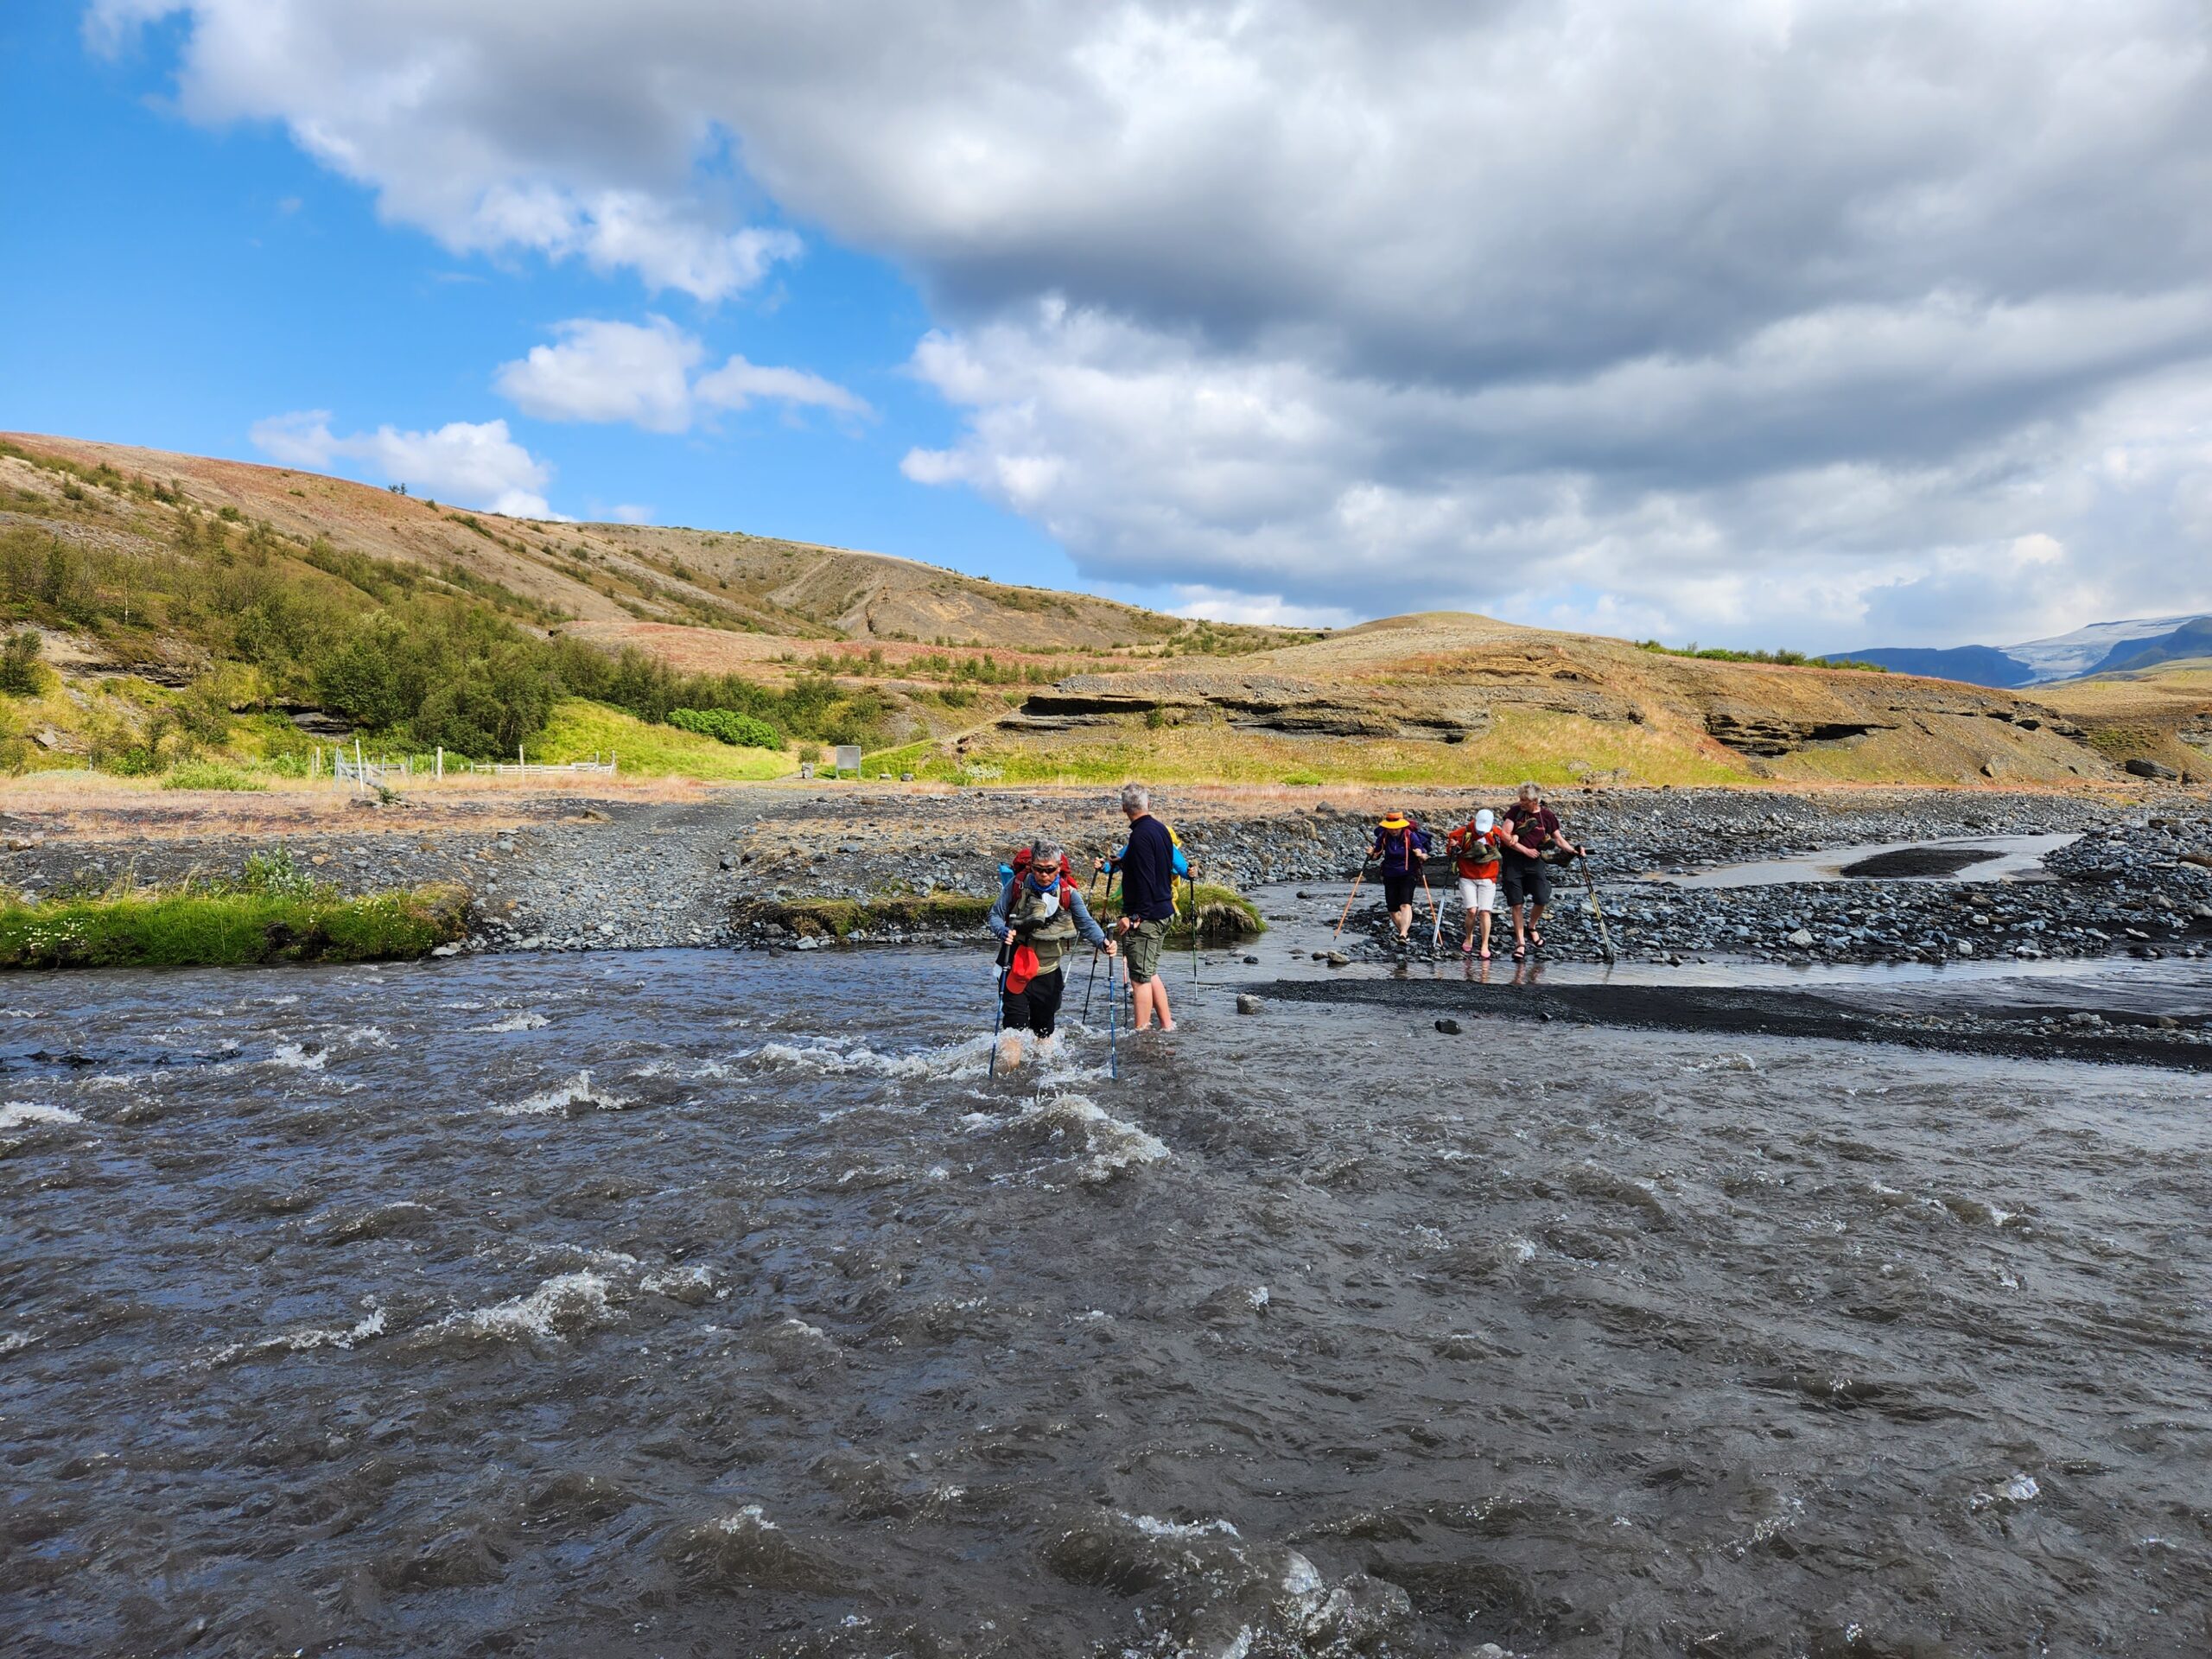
(676, 1303)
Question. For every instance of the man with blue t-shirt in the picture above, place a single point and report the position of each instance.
(1148, 868)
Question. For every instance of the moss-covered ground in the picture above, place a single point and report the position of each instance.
(201, 928)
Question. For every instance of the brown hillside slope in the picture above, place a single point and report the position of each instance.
(1434, 698)
(606, 575)
(1446, 697)
(2162, 714)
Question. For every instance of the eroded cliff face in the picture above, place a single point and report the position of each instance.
(1451, 680)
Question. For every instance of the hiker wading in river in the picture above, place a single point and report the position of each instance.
(1531, 832)
(1149, 865)
(1474, 847)
(1400, 845)
(1039, 914)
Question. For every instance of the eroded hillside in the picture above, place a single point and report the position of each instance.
(608, 575)
(1446, 697)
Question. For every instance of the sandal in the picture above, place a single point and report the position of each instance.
(1537, 940)
(1520, 951)
(1485, 956)
(1467, 947)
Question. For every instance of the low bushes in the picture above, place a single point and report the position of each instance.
(233, 925)
(727, 725)
(210, 774)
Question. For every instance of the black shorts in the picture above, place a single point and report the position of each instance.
(1037, 1005)
(1526, 880)
(1398, 891)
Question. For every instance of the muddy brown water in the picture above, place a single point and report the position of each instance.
(675, 1303)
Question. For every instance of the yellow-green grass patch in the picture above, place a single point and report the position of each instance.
(579, 728)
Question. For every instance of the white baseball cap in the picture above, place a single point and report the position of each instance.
(1484, 819)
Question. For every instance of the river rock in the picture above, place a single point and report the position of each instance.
(1803, 938)
(1247, 1003)
(1449, 1028)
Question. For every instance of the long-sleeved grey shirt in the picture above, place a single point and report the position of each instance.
(1084, 924)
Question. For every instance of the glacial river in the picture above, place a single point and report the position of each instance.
(680, 1303)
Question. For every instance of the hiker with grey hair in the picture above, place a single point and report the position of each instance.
(1149, 864)
(1039, 916)
(1531, 831)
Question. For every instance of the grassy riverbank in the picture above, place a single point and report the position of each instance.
(1223, 914)
(202, 927)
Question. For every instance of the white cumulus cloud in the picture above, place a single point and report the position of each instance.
(608, 372)
(739, 383)
(642, 372)
(1807, 322)
(472, 464)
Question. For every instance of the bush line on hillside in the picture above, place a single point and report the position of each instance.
(1784, 659)
(727, 725)
(199, 928)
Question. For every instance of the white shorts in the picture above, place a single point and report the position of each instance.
(1478, 896)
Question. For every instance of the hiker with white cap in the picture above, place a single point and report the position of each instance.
(1474, 847)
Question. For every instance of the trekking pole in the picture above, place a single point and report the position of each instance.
(1435, 916)
(1192, 881)
(1113, 1025)
(1089, 983)
(1590, 884)
(1002, 968)
(1346, 917)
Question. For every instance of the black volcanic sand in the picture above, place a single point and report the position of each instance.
(1987, 1017)
(1919, 861)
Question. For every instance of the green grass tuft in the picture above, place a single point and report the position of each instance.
(840, 919)
(202, 928)
(1223, 914)
(210, 774)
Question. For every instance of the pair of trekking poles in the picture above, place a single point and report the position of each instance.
(1113, 1007)
(1005, 968)
(1435, 916)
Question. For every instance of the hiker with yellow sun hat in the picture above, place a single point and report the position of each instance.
(1401, 846)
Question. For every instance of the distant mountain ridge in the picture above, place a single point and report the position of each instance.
(2192, 638)
(2098, 648)
(1973, 665)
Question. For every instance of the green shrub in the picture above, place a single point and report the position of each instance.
(727, 725)
(19, 671)
(275, 872)
(210, 774)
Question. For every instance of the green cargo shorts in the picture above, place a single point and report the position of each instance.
(1140, 946)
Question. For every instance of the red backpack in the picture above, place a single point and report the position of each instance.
(1028, 857)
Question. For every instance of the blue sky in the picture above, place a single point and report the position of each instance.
(1812, 325)
(185, 281)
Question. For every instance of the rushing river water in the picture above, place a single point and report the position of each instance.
(677, 1303)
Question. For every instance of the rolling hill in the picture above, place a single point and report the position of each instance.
(1449, 697)
(190, 604)
(2162, 712)
(607, 575)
